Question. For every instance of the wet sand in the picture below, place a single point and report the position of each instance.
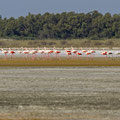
(74, 93)
(60, 62)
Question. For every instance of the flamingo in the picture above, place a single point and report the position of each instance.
(84, 51)
(51, 51)
(20, 51)
(57, 52)
(4, 52)
(41, 51)
(92, 51)
(104, 53)
(26, 52)
(88, 53)
(69, 53)
(74, 51)
(79, 53)
(109, 53)
(47, 52)
(33, 52)
(12, 52)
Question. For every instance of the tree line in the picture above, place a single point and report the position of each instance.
(67, 25)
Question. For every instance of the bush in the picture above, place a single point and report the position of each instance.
(63, 42)
(51, 43)
(109, 43)
(2, 43)
(86, 43)
(97, 43)
(43, 42)
(95, 37)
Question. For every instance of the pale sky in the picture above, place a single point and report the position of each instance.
(16, 8)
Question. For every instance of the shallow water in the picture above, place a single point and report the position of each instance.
(60, 93)
(116, 53)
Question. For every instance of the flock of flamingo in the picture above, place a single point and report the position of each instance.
(50, 52)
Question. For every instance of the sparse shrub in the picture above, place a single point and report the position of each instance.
(15, 44)
(51, 43)
(95, 37)
(86, 43)
(33, 43)
(63, 42)
(109, 43)
(30, 43)
(2, 43)
(43, 42)
(97, 43)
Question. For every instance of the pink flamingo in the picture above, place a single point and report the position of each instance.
(78, 53)
(57, 52)
(104, 53)
(20, 51)
(84, 51)
(88, 53)
(33, 52)
(26, 52)
(50, 52)
(109, 53)
(5, 53)
(69, 53)
(12, 52)
(41, 52)
(92, 51)
(74, 51)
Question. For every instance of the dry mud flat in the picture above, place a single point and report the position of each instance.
(74, 93)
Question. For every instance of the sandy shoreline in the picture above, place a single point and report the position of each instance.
(80, 61)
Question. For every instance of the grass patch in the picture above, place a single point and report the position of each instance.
(6, 43)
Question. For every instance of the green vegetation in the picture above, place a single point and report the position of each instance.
(6, 43)
(71, 25)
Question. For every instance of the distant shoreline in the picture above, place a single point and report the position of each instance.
(62, 43)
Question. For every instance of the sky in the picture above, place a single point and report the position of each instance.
(16, 8)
